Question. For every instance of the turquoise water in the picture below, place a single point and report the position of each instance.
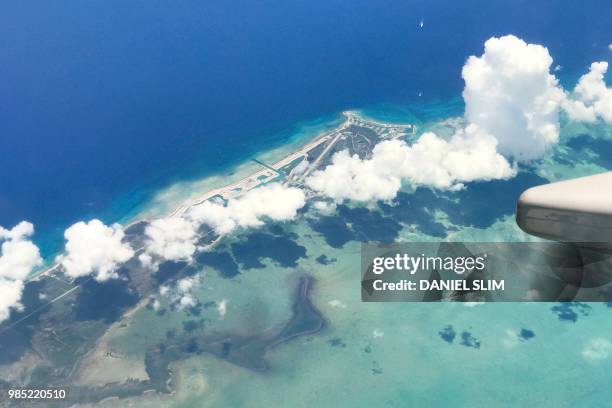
(396, 355)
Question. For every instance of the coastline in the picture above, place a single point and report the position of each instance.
(163, 199)
(262, 173)
(268, 173)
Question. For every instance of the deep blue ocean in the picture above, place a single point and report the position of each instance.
(103, 102)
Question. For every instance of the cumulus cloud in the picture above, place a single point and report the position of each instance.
(22, 230)
(186, 301)
(273, 201)
(181, 295)
(511, 95)
(186, 284)
(18, 257)
(175, 238)
(94, 248)
(325, 207)
(349, 177)
(172, 238)
(469, 155)
(591, 98)
(10, 295)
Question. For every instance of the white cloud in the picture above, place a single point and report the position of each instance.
(597, 349)
(22, 230)
(94, 248)
(18, 257)
(181, 295)
(186, 301)
(186, 284)
(349, 177)
(325, 207)
(591, 98)
(175, 238)
(274, 201)
(469, 155)
(184, 288)
(10, 297)
(511, 94)
(172, 238)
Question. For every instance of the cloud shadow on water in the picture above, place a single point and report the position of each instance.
(249, 251)
(106, 301)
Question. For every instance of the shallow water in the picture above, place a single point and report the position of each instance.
(381, 354)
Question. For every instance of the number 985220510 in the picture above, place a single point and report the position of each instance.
(36, 394)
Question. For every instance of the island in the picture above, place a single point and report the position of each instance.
(65, 325)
